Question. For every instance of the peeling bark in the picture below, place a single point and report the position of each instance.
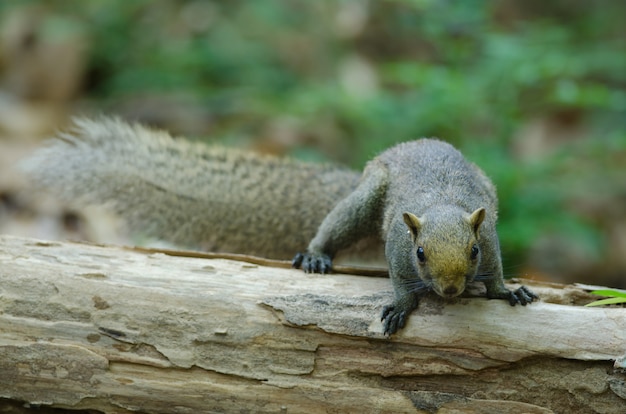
(115, 330)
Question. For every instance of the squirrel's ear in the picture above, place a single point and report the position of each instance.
(476, 219)
(413, 222)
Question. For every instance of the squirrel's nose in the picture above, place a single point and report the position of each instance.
(450, 291)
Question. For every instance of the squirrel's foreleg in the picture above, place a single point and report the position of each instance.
(353, 218)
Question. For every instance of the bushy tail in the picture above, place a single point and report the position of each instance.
(187, 193)
(94, 159)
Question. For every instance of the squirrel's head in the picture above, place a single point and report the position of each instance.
(445, 247)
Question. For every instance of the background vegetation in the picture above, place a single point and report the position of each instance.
(532, 91)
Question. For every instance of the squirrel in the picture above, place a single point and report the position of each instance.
(433, 212)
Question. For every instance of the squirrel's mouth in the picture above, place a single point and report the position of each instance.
(449, 291)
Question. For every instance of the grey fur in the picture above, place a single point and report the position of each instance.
(454, 207)
(188, 194)
(420, 194)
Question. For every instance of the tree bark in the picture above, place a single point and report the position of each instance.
(115, 330)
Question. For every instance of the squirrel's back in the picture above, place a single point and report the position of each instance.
(429, 173)
(189, 194)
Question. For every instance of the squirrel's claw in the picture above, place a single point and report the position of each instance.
(296, 262)
(312, 263)
(392, 319)
(523, 296)
(394, 316)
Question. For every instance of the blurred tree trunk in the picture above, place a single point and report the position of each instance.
(116, 331)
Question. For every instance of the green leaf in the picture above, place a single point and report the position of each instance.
(610, 292)
(609, 301)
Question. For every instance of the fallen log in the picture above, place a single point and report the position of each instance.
(114, 330)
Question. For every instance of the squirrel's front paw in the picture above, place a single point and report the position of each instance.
(394, 316)
(523, 296)
(312, 263)
(393, 319)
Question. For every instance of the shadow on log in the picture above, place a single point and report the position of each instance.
(108, 329)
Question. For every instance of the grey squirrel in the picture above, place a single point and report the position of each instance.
(434, 211)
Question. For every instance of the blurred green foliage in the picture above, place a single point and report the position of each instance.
(373, 73)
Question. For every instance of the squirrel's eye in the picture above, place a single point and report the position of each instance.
(420, 254)
(474, 253)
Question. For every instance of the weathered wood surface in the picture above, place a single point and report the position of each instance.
(114, 330)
